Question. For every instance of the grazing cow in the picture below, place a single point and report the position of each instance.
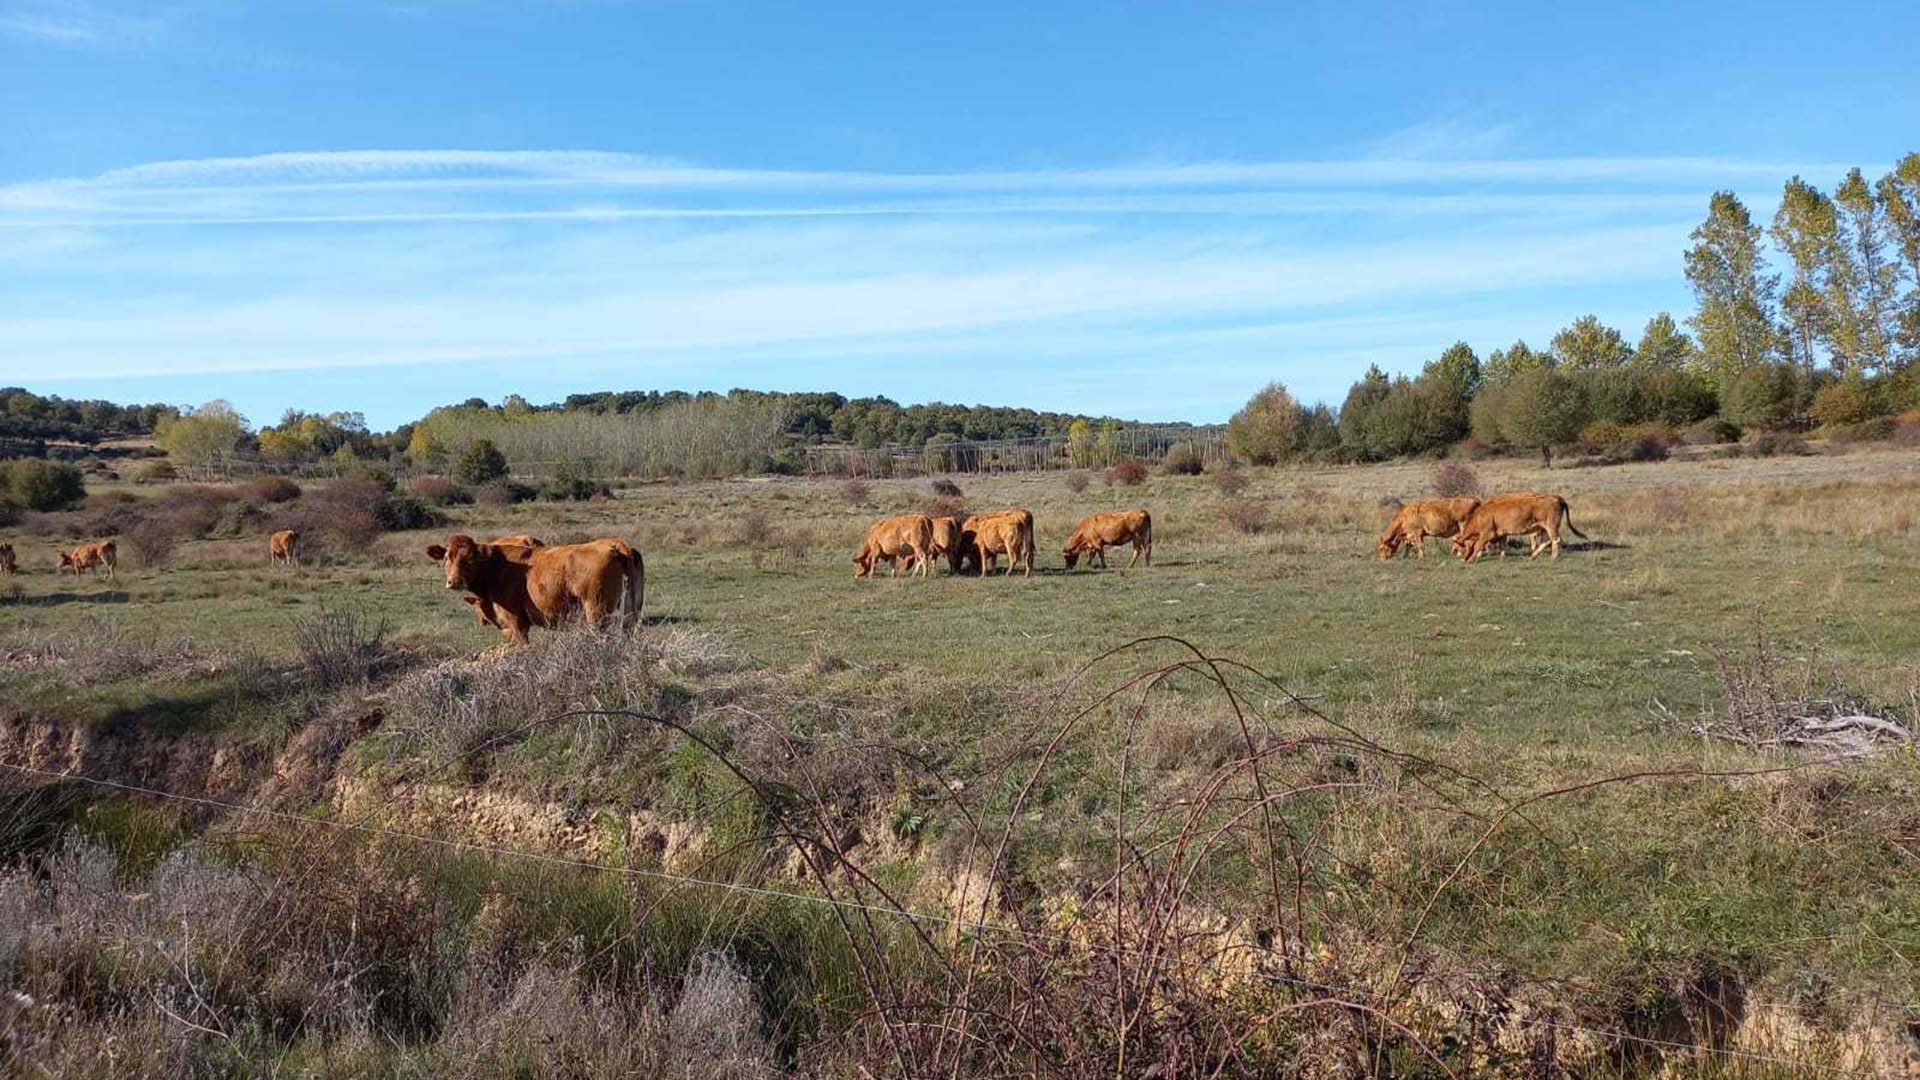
(1536, 517)
(1098, 532)
(284, 547)
(907, 538)
(513, 586)
(91, 557)
(1418, 520)
(7, 565)
(1000, 532)
(947, 540)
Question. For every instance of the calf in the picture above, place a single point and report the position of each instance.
(1418, 520)
(91, 557)
(907, 538)
(284, 547)
(1098, 532)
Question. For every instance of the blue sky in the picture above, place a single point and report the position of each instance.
(1129, 208)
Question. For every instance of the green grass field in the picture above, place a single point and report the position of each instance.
(1527, 675)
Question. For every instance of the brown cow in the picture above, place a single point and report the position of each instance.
(91, 557)
(284, 547)
(1098, 532)
(511, 547)
(1418, 520)
(906, 538)
(516, 586)
(7, 565)
(998, 532)
(948, 540)
(1536, 517)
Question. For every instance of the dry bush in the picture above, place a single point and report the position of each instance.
(1129, 473)
(946, 506)
(271, 489)
(153, 471)
(1452, 480)
(856, 493)
(1779, 444)
(1231, 480)
(1475, 448)
(440, 491)
(1906, 428)
(1183, 459)
(1249, 516)
(946, 488)
(340, 646)
(152, 541)
(1076, 481)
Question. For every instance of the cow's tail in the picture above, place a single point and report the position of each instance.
(1566, 515)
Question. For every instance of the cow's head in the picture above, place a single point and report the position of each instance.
(1072, 552)
(1389, 544)
(66, 559)
(1467, 545)
(862, 564)
(462, 557)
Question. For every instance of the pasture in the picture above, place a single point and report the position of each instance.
(1794, 882)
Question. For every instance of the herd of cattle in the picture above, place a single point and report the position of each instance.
(516, 582)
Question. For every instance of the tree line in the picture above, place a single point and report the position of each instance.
(1836, 347)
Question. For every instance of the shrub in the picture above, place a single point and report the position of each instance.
(504, 493)
(153, 471)
(1231, 480)
(1267, 429)
(1076, 481)
(9, 512)
(272, 489)
(480, 463)
(1906, 428)
(1454, 480)
(946, 488)
(1845, 402)
(1878, 429)
(1129, 473)
(856, 493)
(1780, 444)
(399, 513)
(339, 645)
(1183, 459)
(573, 481)
(440, 491)
(1714, 431)
(1475, 448)
(946, 507)
(1250, 516)
(152, 540)
(43, 486)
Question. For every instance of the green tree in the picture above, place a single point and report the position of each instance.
(1764, 395)
(1590, 345)
(480, 462)
(1806, 228)
(1356, 413)
(1865, 298)
(1849, 399)
(1514, 360)
(1457, 368)
(1734, 292)
(1663, 345)
(1541, 407)
(202, 437)
(1899, 193)
(1264, 431)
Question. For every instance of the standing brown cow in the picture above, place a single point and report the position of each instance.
(284, 547)
(1536, 517)
(1000, 532)
(91, 557)
(1098, 532)
(7, 565)
(906, 538)
(1418, 520)
(948, 540)
(514, 587)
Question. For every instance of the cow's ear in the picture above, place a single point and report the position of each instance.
(436, 552)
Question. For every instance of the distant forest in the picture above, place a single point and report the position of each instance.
(1832, 340)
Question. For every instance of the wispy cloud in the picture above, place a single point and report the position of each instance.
(585, 260)
(75, 24)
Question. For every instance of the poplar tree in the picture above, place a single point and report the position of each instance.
(1899, 193)
(1806, 228)
(1870, 293)
(1734, 292)
(1590, 345)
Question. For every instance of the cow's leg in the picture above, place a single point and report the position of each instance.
(1136, 555)
(1419, 545)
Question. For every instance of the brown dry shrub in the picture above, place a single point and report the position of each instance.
(1249, 516)
(856, 493)
(1453, 480)
(1129, 473)
(1231, 480)
(271, 489)
(946, 488)
(946, 507)
(1076, 481)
